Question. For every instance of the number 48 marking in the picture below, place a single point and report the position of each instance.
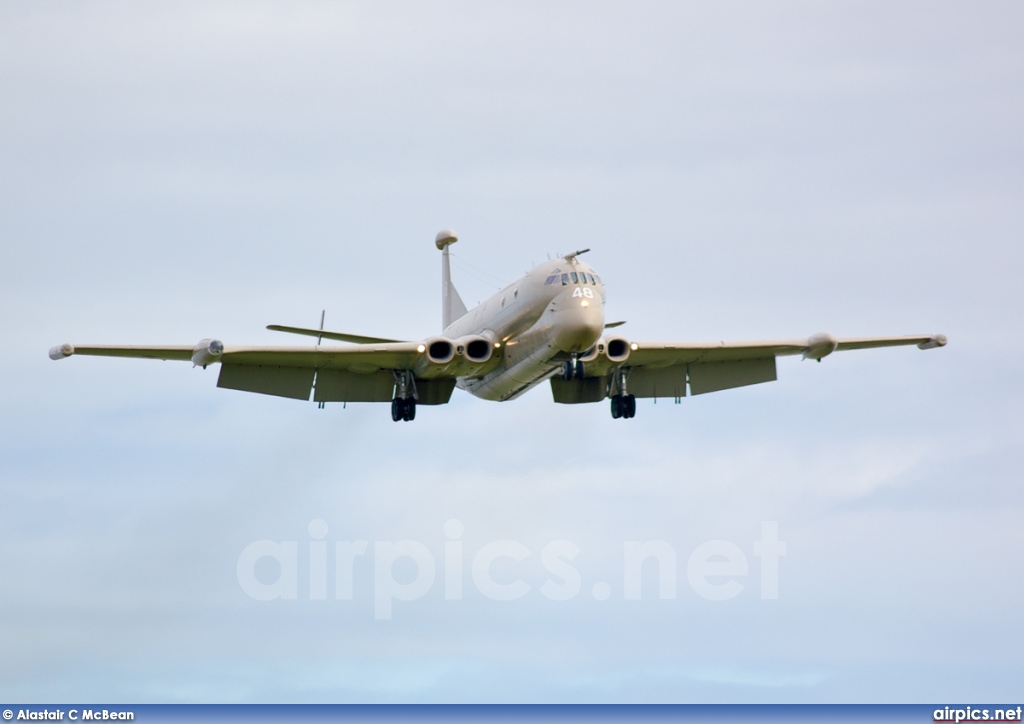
(583, 292)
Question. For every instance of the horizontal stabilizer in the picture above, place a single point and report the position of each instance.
(337, 336)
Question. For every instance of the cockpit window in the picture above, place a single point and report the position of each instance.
(565, 279)
(575, 277)
(551, 279)
(590, 278)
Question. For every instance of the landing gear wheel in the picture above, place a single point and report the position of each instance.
(580, 370)
(567, 371)
(623, 406)
(403, 408)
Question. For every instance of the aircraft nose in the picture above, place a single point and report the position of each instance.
(579, 325)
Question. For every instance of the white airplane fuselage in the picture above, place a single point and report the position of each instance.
(536, 323)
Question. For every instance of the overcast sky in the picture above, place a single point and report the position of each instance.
(741, 170)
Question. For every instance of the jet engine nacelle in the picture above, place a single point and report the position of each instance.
(464, 357)
(617, 349)
(474, 349)
(207, 352)
(439, 351)
(820, 345)
(473, 356)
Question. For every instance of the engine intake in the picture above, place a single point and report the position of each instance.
(474, 349)
(440, 351)
(617, 349)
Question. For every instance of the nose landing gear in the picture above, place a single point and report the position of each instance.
(573, 368)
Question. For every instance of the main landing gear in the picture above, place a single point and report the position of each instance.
(573, 369)
(403, 407)
(623, 406)
(623, 403)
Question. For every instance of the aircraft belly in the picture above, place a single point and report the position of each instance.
(513, 383)
(525, 364)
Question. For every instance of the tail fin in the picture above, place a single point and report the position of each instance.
(452, 306)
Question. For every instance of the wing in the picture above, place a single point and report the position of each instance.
(814, 347)
(671, 369)
(165, 352)
(363, 357)
(357, 373)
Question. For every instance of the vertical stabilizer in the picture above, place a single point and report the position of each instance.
(452, 306)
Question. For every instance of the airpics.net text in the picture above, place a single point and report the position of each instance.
(716, 569)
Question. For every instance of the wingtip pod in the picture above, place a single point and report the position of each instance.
(61, 351)
(939, 340)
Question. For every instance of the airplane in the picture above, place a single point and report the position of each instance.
(547, 325)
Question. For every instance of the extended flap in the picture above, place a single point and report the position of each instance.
(714, 376)
(345, 386)
(292, 382)
(660, 382)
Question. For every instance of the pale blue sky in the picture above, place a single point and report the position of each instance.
(740, 170)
